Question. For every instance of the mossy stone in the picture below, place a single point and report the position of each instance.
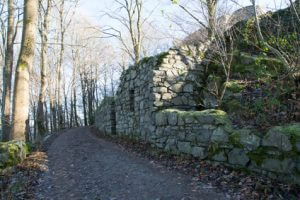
(12, 153)
(238, 157)
(279, 166)
(220, 156)
(276, 138)
(285, 137)
(210, 116)
(245, 138)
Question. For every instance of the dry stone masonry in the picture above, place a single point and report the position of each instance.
(157, 101)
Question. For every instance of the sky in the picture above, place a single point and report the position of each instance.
(92, 8)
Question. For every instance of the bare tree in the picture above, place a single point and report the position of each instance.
(220, 43)
(7, 71)
(133, 21)
(208, 10)
(3, 30)
(291, 61)
(25, 62)
(65, 19)
(44, 31)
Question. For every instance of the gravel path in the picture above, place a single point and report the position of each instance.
(82, 166)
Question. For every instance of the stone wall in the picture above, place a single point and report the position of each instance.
(157, 102)
(107, 121)
(168, 80)
(209, 135)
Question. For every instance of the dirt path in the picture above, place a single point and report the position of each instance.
(82, 166)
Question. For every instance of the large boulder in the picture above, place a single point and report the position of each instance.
(283, 137)
(12, 153)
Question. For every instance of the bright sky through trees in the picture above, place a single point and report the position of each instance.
(162, 11)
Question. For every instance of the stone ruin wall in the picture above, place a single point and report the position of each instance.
(157, 102)
(156, 83)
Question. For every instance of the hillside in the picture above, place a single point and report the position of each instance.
(262, 91)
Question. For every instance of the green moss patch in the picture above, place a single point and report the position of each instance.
(258, 156)
(235, 86)
(210, 116)
(219, 115)
(235, 139)
(258, 66)
(12, 153)
(291, 129)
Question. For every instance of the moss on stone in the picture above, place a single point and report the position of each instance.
(145, 60)
(291, 129)
(13, 152)
(258, 156)
(235, 139)
(213, 149)
(210, 116)
(28, 148)
(259, 66)
(160, 57)
(262, 153)
(233, 106)
(293, 132)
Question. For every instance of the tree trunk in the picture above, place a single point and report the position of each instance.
(7, 73)
(90, 105)
(83, 91)
(46, 117)
(211, 11)
(25, 62)
(44, 51)
(75, 109)
(34, 117)
(71, 111)
(59, 70)
(66, 112)
(52, 109)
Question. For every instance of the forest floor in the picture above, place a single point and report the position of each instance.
(83, 166)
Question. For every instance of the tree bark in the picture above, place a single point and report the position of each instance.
(59, 70)
(75, 109)
(84, 96)
(261, 37)
(25, 62)
(52, 109)
(7, 73)
(46, 117)
(71, 111)
(211, 11)
(44, 52)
